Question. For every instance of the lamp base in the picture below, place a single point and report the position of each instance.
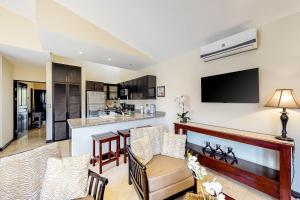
(284, 138)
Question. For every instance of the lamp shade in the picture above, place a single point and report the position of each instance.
(283, 98)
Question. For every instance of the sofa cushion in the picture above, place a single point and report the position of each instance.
(21, 175)
(87, 198)
(142, 149)
(172, 189)
(66, 178)
(155, 134)
(163, 171)
(173, 145)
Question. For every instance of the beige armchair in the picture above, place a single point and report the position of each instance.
(163, 177)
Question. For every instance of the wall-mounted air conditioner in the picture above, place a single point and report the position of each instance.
(240, 42)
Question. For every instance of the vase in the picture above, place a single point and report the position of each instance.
(199, 196)
(183, 120)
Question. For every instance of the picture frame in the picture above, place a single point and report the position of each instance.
(161, 91)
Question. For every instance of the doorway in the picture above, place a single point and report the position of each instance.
(29, 106)
(40, 103)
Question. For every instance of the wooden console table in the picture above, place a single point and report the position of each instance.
(276, 183)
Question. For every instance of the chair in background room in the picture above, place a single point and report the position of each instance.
(36, 119)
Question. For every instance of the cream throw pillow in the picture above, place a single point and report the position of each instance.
(66, 178)
(21, 175)
(142, 149)
(155, 134)
(173, 145)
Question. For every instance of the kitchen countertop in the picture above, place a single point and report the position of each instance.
(102, 120)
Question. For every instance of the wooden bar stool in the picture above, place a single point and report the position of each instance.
(112, 156)
(126, 134)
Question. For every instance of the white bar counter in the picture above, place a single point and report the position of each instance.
(82, 129)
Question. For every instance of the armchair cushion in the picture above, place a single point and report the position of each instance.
(87, 198)
(173, 145)
(142, 149)
(66, 178)
(163, 171)
(155, 134)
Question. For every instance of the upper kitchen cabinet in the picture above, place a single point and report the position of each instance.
(74, 75)
(99, 86)
(94, 86)
(150, 87)
(66, 74)
(139, 88)
(112, 91)
(90, 86)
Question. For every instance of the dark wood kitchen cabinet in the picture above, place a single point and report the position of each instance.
(66, 98)
(139, 88)
(90, 86)
(66, 74)
(112, 91)
(99, 86)
(94, 86)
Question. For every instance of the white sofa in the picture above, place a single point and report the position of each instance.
(21, 175)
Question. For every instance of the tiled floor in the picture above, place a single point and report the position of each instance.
(118, 187)
(33, 139)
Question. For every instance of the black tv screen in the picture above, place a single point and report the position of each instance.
(235, 87)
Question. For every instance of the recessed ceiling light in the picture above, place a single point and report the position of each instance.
(109, 59)
(80, 52)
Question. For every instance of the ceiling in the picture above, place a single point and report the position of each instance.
(25, 8)
(18, 55)
(149, 31)
(166, 28)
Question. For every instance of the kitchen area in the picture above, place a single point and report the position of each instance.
(112, 99)
(108, 110)
(109, 107)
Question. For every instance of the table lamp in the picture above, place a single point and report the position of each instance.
(283, 98)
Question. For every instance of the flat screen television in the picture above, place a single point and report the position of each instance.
(235, 87)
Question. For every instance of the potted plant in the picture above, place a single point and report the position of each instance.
(183, 116)
(213, 189)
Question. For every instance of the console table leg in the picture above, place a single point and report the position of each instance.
(285, 173)
(176, 129)
(94, 153)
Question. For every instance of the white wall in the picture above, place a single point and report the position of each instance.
(49, 101)
(278, 59)
(26, 72)
(6, 102)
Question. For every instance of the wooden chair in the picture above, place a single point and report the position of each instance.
(138, 175)
(93, 190)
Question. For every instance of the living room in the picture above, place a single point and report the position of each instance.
(117, 43)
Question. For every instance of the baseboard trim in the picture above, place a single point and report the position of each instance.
(2, 148)
(49, 141)
(296, 194)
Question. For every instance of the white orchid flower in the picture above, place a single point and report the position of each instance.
(209, 189)
(213, 188)
(217, 187)
(195, 166)
(221, 197)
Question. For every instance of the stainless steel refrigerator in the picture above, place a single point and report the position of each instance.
(95, 103)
